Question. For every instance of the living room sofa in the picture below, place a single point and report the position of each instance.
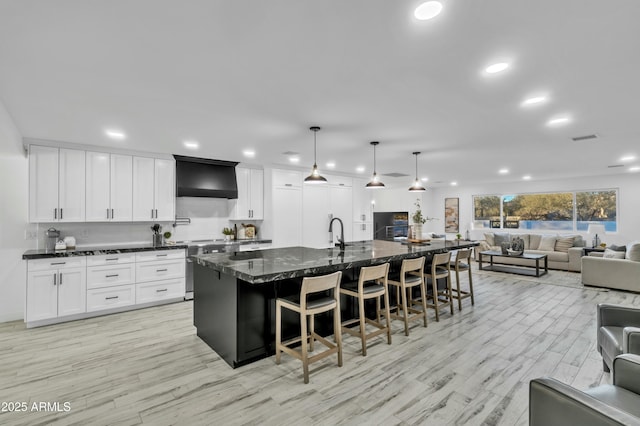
(563, 251)
(622, 273)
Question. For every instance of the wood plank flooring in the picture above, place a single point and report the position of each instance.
(149, 367)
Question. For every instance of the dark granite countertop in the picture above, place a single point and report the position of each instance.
(292, 262)
(98, 250)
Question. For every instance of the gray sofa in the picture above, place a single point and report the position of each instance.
(554, 403)
(616, 273)
(565, 252)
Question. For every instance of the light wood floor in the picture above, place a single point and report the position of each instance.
(149, 367)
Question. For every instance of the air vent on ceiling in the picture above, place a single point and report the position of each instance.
(290, 153)
(613, 166)
(395, 174)
(584, 138)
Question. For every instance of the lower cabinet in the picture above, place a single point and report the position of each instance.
(62, 289)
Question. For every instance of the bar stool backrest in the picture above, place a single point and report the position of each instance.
(370, 273)
(463, 254)
(441, 258)
(411, 265)
(312, 285)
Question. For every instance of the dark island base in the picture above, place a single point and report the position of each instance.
(237, 319)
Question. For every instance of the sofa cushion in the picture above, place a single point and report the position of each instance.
(633, 251)
(618, 248)
(534, 241)
(618, 397)
(547, 243)
(578, 241)
(563, 244)
(499, 238)
(552, 256)
(488, 237)
(612, 254)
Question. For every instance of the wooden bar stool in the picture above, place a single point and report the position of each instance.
(440, 269)
(311, 285)
(411, 275)
(461, 264)
(372, 284)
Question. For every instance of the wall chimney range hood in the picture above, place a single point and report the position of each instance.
(203, 177)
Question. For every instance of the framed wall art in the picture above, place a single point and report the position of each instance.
(451, 215)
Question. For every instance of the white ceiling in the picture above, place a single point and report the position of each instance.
(256, 74)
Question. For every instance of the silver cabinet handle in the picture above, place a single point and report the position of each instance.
(107, 213)
(55, 279)
(156, 213)
(161, 270)
(160, 291)
(55, 213)
(363, 217)
(112, 275)
(60, 282)
(151, 213)
(161, 255)
(58, 263)
(60, 212)
(111, 213)
(111, 259)
(110, 297)
(288, 184)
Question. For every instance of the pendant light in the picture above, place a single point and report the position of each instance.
(416, 187)
(375, 183)
(314, 177)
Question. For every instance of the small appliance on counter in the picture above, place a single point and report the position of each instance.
(70, 242)
(60, 245)
(53, 235)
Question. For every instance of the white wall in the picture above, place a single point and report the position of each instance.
(628, 186)
(13, 219)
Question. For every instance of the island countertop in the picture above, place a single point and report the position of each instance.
(292, 262)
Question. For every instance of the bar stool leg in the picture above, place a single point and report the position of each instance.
(363, 330)
(423, 295)
(405, 311)
(311, 339)
(434, 287)
(278, 331)
(450, 293)
(387, 314)
(337, 332)
(303, 345)
(458, 289)
(471, 285)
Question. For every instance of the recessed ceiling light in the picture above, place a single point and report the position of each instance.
(503, 171)
(526, 177)
(495, 68)
(534, 100)
(294, 159)
(428, 10)
(330, 165)
(634, 168)
(249, 153)
(360, 169)
(628, 158)
(424, 179)
(558, 121)
(454, 183)
(191, 144)
(115, 134)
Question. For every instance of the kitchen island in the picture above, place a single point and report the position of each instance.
(235, 293)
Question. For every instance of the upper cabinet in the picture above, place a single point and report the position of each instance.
(56, 184)
(153, 189)
(109, 187)
(250, 202)
(362, 198)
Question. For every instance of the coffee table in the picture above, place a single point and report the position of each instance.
(513, 269)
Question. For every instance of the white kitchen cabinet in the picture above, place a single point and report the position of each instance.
(315, 216)
(250, 202)
(109, 187)
(153, 189)
(55, 288)
(287, 179)
(56, 184)
(335, 180)
(340, 206)
(160, 275)
(362, 231)
(362, 201)
(103, 298)
(287, 215)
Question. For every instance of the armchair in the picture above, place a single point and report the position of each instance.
(554, 403)
(618, 332)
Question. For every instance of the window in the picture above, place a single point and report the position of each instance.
(559, 211)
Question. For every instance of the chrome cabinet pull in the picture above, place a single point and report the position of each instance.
(111, 259)
(111, 213)
(107, 213)
(55, 213)
(288, 184)
(161, 255)
(55, 278)
(112, 275)
(160, 291)
(161, 270)
(60, 212)
(151, 213)
(111, 297)
(60, 281)
(58, 263)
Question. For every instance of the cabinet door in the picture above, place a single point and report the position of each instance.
(43, 184)
(72, 291)
(143, 188)
(256, 191)
(71, 185)
(362, 207)
(97, 190)
(165, 189)
(340, 200)
(287, 217)
(240, 207)
(315, 216)
(42, 295)
(121, 188)
(362, 231)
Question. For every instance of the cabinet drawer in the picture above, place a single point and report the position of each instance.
(110, 275)
(162, 270)
(150, 256)
(111, 259)
(160, 290)
(56, 263)
(110, 297)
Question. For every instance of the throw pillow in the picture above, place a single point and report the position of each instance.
(547, 243)
(579, 241)
(612, 254)
(500, 238)
(563, 244)
(618, 248)
(534, 241)
(488, 237)
(633, 251)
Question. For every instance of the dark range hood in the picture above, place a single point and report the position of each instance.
(203, 177)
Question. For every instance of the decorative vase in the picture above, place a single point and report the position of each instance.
(417, 231)
(157, 240)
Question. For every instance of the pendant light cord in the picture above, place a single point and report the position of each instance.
(315, 151)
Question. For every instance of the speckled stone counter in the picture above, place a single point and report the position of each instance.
(98, 250)
(235, 293)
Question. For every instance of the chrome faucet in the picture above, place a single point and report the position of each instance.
(341, 239)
